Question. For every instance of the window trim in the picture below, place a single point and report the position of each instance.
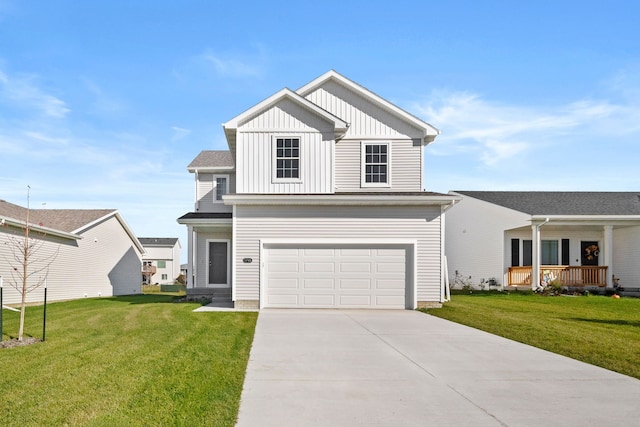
(274, 159)
(215, 187)
(363, 165)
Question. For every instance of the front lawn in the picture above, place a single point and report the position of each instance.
(599, 330)
(139, 360)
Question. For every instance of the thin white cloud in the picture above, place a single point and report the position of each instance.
(230, 66)
(23, 92)
(498, 131)
(179, 133)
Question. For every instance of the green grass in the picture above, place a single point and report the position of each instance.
(139, 360)
(598, 330)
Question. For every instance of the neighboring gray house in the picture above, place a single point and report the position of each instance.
(319, 203)
(529, 238)
(161, 260)
(97, 253)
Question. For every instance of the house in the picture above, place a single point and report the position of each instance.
(161, 260)
(91, 252)
(318, 202)
(530, 238)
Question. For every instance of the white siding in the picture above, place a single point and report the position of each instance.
(405, 166)
(475, 239)
(171, 256)
(421, 224)
(626, 256)
(202, 263)
(206, 196)
(104, 263)
(364, 118)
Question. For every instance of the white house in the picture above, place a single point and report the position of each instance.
(530, 238)
(161, 260)
(318, 202)
(91, 252)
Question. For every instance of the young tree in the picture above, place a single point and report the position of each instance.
(28, 263)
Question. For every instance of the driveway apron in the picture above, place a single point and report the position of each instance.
(406, 368)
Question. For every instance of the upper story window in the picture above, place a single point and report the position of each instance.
(287, 159)
(376, 169)
(221, 183)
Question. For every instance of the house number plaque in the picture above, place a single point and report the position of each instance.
(247, 260)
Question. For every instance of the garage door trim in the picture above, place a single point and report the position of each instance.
(409, 244)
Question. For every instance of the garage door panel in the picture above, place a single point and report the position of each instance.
(355, 283)
(284, 283)
(319, 300)
(334, 277)
(318, 267)
(286, 300)
(319, 284)
(355, 267)
(355, 300)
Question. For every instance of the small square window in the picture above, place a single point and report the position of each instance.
(162, 264)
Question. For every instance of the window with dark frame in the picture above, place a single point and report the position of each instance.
(288, 158)
(376, 162)
(221, 187)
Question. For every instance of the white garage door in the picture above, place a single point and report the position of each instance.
(336, 277)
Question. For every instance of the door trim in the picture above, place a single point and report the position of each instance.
(207, 260)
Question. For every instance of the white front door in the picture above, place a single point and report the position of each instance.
(218, 271)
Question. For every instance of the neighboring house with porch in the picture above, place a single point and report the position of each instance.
(161, 261)
(527, 238)
(92, 253)
(318, 202)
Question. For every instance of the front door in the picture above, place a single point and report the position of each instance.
(590, 252)
(218, 263)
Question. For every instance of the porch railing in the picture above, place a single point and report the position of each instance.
(564, 274)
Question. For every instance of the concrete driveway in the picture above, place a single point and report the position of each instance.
(406, 368)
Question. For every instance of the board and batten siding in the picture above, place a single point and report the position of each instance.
(104, 262)
(254, 150)
(405, 166)
(364, 117)
(205, 195)
(202, 263)
(338, 223)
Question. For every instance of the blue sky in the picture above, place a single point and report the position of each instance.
(104, 103)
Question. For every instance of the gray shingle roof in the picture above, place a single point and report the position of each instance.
(563, 202)
(212, 159)
(160, 241)
(67, 220)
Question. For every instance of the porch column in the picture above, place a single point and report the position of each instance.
(607, 248)
(190, 256)
(535, 256)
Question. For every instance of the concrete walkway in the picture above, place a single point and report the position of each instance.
(405, 368)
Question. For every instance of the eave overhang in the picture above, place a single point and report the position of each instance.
(409, 199)
(615, 220)
(10, 222)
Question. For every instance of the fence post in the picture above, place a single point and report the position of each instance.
(44, 317)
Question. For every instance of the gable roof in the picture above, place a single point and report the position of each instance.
(67, 223)
(429, 131)
(231, 127)
(212, 160)
(158, 241)
(562, 202)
